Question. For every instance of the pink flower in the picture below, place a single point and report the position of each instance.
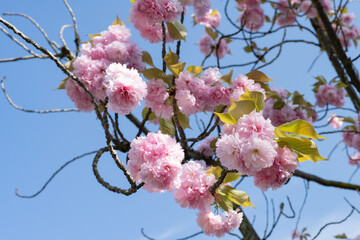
(222, 50)
(156, 98)
(253, 18)
(307, 8)
(210, 20)
(156, 160)
(125, 88)
(216, 225)
(335, 121)
(205, 44)
(354, 159)
(78, 95)
(186, 102)
(240, 83)
(254, 124)
(258, 154)
(211, 76)
(193, 191)
(275, 176)
(155, 11)
(92, 74)
(348, 138)
(227, 149)
(204, 147)
(347, 18)
(328, 94)
(201, 7)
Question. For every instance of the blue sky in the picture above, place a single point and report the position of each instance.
(75, 206)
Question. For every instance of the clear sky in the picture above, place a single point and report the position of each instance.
(74, 205)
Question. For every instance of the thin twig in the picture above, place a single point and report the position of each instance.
(54, 174)
(32, 111)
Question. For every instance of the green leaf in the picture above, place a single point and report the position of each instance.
(195, 69)
(236, 196)
(226, 118)
(62, 84)
(239, 108)
(341, 85)
(171, 58)
(231, 177)
(216, 171)
(349, 120)
(248, 49)
(167, 126)
(258, 76)
(341, 236)
(304, 147)
(300, 127)
(267, 19)
(257, 98)
(184, 120)
(155, 73)
(211, 33)
(177, 30)
(146, 58)
(177, 68)
(225, 203)
(228, 77)
(152, 115)
(118, 21)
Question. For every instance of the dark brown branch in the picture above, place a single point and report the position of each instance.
(346, 62)
(324, 182)
(107, 185)
(325, 43)
(137, 123)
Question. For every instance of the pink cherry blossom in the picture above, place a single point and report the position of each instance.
(254, 124)
(156, 98)
(328, 94)
(201, 7)
(215, 225)
(307, 8)
(78, 95)
(125, 88)
(354, 160)
(276, 175)
(193, 191)
(335, 121)
(156, 160)
(210, 20)
(253, 18)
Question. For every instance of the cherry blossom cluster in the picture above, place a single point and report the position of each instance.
(346, 31)
(351, 138)
(290, 10)
(196, 94)
(252, 14)
(210, 20)
(329, 94)
(101, 68)
(156, 161)
(249, 147)
(147, 15)
(282, 107)
(208, 45)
